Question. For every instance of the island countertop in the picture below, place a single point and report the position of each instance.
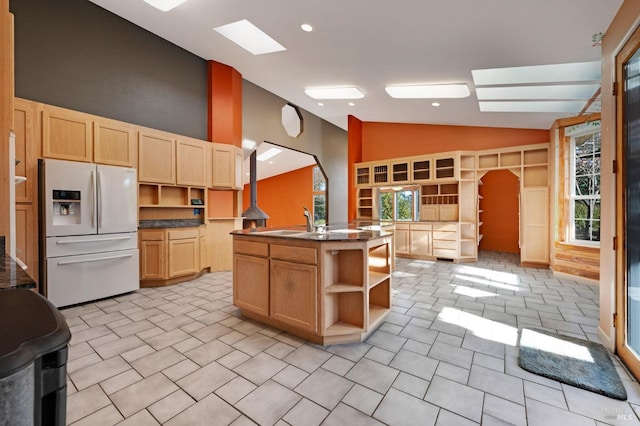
(346, 232)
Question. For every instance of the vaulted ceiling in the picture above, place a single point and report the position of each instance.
(373, 43)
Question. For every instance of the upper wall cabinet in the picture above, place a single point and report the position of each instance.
(191, 162)
(25, 127)
(227, 166)
(157, 157)
(114, 143)
(66, 134)
(421, 170)
(400, 171)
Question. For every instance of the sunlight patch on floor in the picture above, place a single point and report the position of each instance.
(480, 327)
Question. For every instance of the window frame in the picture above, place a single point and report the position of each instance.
(318, 193)
(587, 129)
(415, 203)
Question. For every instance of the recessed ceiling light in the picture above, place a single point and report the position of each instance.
(272, 152)
(249, 37)
(553, 92)
(579, 71)
(306, 27)
(334, 93)
(532, 106)
(165, 5)
(426, 91)
(435, 104)
(351, 104)
(270, 162)
(320, 104)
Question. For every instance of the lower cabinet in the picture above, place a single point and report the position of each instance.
(166, 255)
(413, 239)
(294, 294)
(254, 295)
(184, 252)
(326, 292)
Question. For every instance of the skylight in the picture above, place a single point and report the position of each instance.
(270, 153)
(334, 93)
(165, 5)
(250, 37)
(556, 88)
(428, 91)
(568, 92)
(574, 72)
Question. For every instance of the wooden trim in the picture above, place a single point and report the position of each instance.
(591, 100)
(579, 119)
(625, 353)
(577, 260)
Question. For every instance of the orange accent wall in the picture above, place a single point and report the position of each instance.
(499, 217)
(354, 155)
(392, 140)
(283, 196)
(225, 104)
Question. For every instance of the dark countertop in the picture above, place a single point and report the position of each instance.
(347, 232)
(169, 223)
(13, 276)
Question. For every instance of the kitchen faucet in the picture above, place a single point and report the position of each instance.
(307, 215)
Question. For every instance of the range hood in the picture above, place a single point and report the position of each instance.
(254, 217)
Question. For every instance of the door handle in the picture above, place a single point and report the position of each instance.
(62, 242)
(71, 262)
(100, 200)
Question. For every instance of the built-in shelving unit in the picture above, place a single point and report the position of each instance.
(439, 201)
(448, 184)
(158, 201)
(363, 174)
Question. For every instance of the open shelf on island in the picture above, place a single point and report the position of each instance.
(341, 288)
(376, 278)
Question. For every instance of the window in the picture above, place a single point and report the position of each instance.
(319, 197)
(584, 209)
(401, 205)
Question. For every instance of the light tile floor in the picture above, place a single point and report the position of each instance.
(182, 355)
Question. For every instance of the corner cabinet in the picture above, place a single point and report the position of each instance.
(228, 165)
(327, 292)
(168, 255)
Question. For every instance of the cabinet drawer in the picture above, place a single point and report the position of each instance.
(294, 254)
(452, 254)
(183, 234)
(420, 227)
(439, 235)
(447, 227)
(152, 235)
(254, 248)
(444, 244)
(402, 226)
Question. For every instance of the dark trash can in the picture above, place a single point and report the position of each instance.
(33, 360)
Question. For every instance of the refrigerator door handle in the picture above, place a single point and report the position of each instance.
(93, 200)
(61, 242)
(98, 259)
(100, 199)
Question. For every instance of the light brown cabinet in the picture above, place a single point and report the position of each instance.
(327, 292)
(67, 134)
(227, 167)
(156, 157)
(184, 252)
(413, 239)
(293, 291)
(114, 143)
(169, 254)
(191, 155)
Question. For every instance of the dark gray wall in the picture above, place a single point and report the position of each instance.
(74, 54)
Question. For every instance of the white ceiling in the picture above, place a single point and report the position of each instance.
(372, 43)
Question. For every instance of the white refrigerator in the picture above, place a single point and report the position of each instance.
(89, 239)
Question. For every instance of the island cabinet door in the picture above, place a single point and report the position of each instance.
(294, 294)
(251, 283)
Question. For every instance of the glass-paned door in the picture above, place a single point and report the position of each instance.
(628, 200)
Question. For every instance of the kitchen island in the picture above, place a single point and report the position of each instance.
(328, 287)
